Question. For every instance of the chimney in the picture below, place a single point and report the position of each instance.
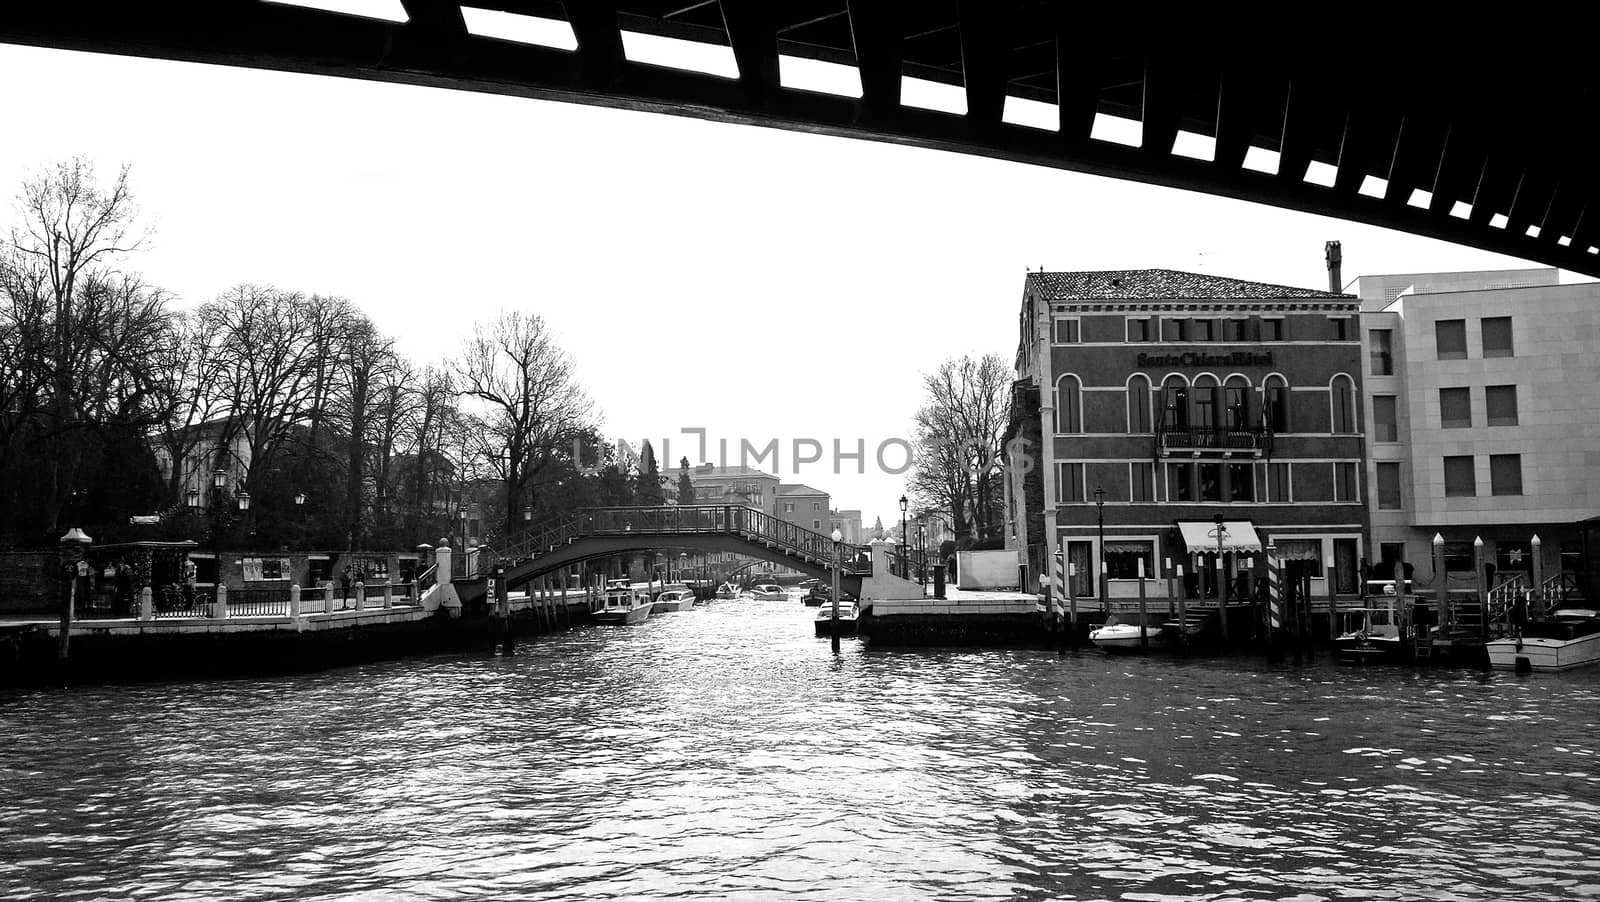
(1335, 284)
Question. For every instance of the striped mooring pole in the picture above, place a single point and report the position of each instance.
(1274, 605)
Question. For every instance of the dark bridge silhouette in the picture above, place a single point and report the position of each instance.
(1467, 128)
(606, 531)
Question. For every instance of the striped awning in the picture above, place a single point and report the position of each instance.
(1237, 535)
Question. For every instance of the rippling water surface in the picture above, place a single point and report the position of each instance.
(724, 753)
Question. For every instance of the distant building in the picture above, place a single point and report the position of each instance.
(804, 506)
(848, 522)
(740, 485)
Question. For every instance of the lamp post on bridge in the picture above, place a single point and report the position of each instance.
(903, 537)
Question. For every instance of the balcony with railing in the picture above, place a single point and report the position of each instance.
(1224, 439)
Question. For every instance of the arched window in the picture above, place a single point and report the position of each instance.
(1174, 403)
(1205, 394)
(1235, 403)
(1069, 405)
(1138, 404)
(1275, 404)
(1343, 396)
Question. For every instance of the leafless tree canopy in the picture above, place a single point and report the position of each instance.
(957, 438)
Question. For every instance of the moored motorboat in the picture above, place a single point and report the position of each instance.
(1565, 639)
(1123, 637)
(622, 606)
(768, 592)
(674, 600)
(846, 623)
(1372, 635)
(727, 590)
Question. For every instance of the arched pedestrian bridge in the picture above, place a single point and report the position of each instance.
(600, 532)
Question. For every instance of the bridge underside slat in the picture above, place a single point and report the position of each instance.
(1469, 120)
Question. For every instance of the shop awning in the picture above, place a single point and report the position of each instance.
(1237, 535)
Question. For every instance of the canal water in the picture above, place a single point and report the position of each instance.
(725, 753)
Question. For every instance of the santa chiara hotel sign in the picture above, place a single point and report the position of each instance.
(1197, 358)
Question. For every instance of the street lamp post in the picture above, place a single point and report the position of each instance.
(922, 552)
(1222, 583)
(1100, 516)
(837, 536)
(903, 545)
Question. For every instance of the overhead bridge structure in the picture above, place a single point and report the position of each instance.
(1472, 128)
(607, 531)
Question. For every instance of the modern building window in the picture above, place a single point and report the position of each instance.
(1278, 482)
(1502, 404)
(1385, 419)
(1277, 404)
(1339, 328)
(1066, 331)
(1505, 474)
(1211, 482)
(1388, 486)
(1381, 351)
(1180, 482)
(1139, 404)
(1344, 481)
(1129, 560)
(1236, 330)
(1203, 330)
(1450, 336)
(1069, 482)
(1174, 330)
(1141, 481)
(1272, 329)
(1455, 408)
(1497, 336)
(1344, 405)
(1460, 478)
(1069, 405)
(1141, 329)
(1241, 482)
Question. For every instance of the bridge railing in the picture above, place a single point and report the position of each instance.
(684, 519)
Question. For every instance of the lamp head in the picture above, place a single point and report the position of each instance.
(903, 504)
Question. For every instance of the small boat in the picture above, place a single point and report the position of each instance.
(726, 590)
(1372, 634)
(819, 594)
(674, 600)
(622, 606)
(768, 592)
(846, 624)
(1122, 637)
(1567, 638)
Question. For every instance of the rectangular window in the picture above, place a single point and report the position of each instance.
(1241, 482)
(1497, 336)
(1307, 551)
(1174, 329)
(1385, 420)
(1180, 482)
(1339, 328)
(1069, 482)
(1455, 408)
(1203, 330)
(816, 505)
(1460, 480)
(1382, 351)
(1388, 486)
(1211, 482)
(1065, 332)
(1124, 560)
(1505, 474)
(1141, 329)
(1235, 329)
(1450, 336)
(788, 507)
(816, 524)
(1502, 404)
(1344, 482)
(1272, 329)
(1142, 481)
(1459, 557)
(1278, 482)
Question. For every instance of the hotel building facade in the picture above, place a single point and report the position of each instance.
(1152, 406)
(1485, 421)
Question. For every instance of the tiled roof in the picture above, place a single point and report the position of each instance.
(705, 471)
(799, 489)
(1160, 284)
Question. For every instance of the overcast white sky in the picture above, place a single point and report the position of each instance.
(759, 284)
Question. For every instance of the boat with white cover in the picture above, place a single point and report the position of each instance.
(1567, 638)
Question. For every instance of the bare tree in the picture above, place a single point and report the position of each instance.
(532, 404)
(959, 429)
